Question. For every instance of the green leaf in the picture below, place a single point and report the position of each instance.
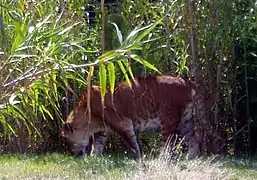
(19, 112)
(133, 34)
(127, 65)
(40, 24)
(146, 32)
(102, 78)
(109, 56)
(67, 29)
(2, 32)
(118, 33)
(19, 37)
(144, 62)
(6, 124)
(132, 37)
(133, 47)
(124, 71)
(91, 71)
(111, 73)
(46, 111)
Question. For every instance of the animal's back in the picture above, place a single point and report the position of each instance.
(149, 97)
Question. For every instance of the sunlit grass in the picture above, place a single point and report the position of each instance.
(57, 166)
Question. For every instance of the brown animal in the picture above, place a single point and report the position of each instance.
(153, 102)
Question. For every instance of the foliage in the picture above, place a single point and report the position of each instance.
(48, 49)
(44, 51)
(40, 50)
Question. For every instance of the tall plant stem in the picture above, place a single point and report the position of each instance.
(102, 27)
(247, 102)
(194, 49)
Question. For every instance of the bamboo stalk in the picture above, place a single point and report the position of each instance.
(194, 52)
(218, 53)
(247, 102)
(102, 27)
(218, 75)
(234, 94)
(89, 77)
(168, 33)
(3, 47)
(193, 38)
(217, 94)
(103, 49)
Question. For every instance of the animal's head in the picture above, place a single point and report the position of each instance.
(78, 128)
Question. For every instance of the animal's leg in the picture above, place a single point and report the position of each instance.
(100, 139)
(169, 123)
(124, 127)
(89, 148)
(186, 130)
(126, 131)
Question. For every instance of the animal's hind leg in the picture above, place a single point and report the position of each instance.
(186, 130)
(169, 123)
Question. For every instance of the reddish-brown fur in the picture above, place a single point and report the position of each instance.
(162, 97)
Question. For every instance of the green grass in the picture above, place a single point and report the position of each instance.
(58, 166)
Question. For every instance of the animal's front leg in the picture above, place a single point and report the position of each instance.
(126, 131)
(100, 139)
(131, 142)
(124, 127)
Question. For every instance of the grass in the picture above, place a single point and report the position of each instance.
(58, 166)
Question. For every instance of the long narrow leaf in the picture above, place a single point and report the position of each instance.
(109, 56)
(127, 65)
(144, 62)
(147, 31)
(134, 32)
(102, 78)
(124, 71)
(6, 124)
(118, 33)
(67, 29)
(18, 39)
(111, 73)
(2, 32)
(45, 110)
(91, 71)
(133, 47)
(19, 113)
(40, 24)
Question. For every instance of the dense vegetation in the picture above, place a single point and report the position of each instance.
(50, 50)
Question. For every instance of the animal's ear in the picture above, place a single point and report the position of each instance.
(68, 127)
